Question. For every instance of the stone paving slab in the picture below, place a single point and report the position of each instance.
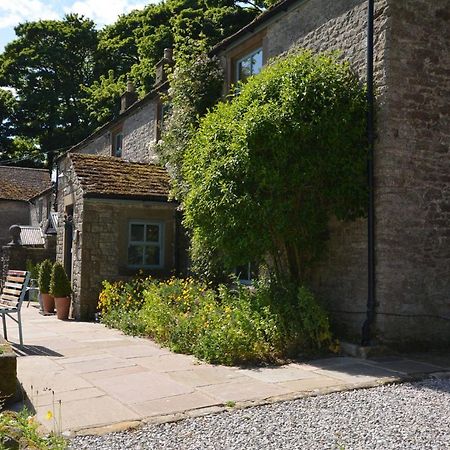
(107, 381)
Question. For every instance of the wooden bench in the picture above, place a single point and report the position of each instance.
(12, 297)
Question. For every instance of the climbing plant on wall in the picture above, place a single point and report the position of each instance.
(267, 170)
(195, 87)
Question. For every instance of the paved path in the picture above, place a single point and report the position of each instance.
(108, 381)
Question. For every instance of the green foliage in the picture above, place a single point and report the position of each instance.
(195, 86)
(45, 273)
(46, 64)
(229, 326)
(7, 108)
(20, 430)
(59, 282)
(26, 152)
(267, 170)
(102, 97)
(119, 303)
(135, 43)
(33, 269)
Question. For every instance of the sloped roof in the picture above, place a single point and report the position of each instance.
(31, 235)
(110, 177)
(21, 183)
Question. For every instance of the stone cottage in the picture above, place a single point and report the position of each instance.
(412, 157)
(25, 199)
(114, 215)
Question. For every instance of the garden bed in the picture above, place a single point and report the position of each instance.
(227, 324)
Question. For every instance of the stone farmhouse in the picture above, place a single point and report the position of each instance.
(412, 156)
(114, 216)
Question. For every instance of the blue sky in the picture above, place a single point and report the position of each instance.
(102, 12)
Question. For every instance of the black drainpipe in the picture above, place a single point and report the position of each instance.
(371, 300)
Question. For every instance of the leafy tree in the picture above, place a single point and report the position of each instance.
(268, 170)
(135, 43)
(101, 100)
(46, 65)
(7, 108)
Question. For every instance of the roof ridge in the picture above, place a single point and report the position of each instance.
(116, 159)
(24, 168)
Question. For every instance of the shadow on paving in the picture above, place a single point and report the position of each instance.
(34, 350)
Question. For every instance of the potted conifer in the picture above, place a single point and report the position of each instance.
(60, 289)
(48, 302)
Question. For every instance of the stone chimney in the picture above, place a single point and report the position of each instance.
(161, 67)
(128, 97)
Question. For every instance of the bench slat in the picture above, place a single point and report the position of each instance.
(9, 297)
(8, 303)
(13, 292)
(10, 285)
(17, 272)
(15, 279)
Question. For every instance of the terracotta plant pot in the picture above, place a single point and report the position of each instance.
(62, 307)
(48, 303)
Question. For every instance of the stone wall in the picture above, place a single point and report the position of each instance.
(100, 145)
(70, 195)
(139, 133)
(46, 208)
(413, 176)
(105, 245)
(139, 129)
(12, 213)
(8, 369)
(16, 257)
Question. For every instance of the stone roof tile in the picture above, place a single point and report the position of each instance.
(108, 176)
(22, 183)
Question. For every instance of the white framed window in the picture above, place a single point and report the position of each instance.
(145, 244)
(250, 64)
(117, 145)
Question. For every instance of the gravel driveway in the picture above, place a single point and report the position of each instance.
(407, 416)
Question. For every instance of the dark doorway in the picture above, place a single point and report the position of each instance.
(68, 239)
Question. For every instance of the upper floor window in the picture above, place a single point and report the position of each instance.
(145, 244)
(117, 143)
(249, 65)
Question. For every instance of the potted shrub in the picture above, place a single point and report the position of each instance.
(60, 289)
(48, 302)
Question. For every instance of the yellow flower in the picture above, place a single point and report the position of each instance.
(49, 415)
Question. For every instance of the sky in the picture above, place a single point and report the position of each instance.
(102, 12)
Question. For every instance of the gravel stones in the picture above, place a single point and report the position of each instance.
(407, 416)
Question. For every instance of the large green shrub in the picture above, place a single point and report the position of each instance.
(267, 170)
(59, 282)
(45, 273)
(227, 325)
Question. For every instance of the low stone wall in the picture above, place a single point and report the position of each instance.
(8, 372)
(16, 257)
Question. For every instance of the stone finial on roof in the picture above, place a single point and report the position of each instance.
(14, 231)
